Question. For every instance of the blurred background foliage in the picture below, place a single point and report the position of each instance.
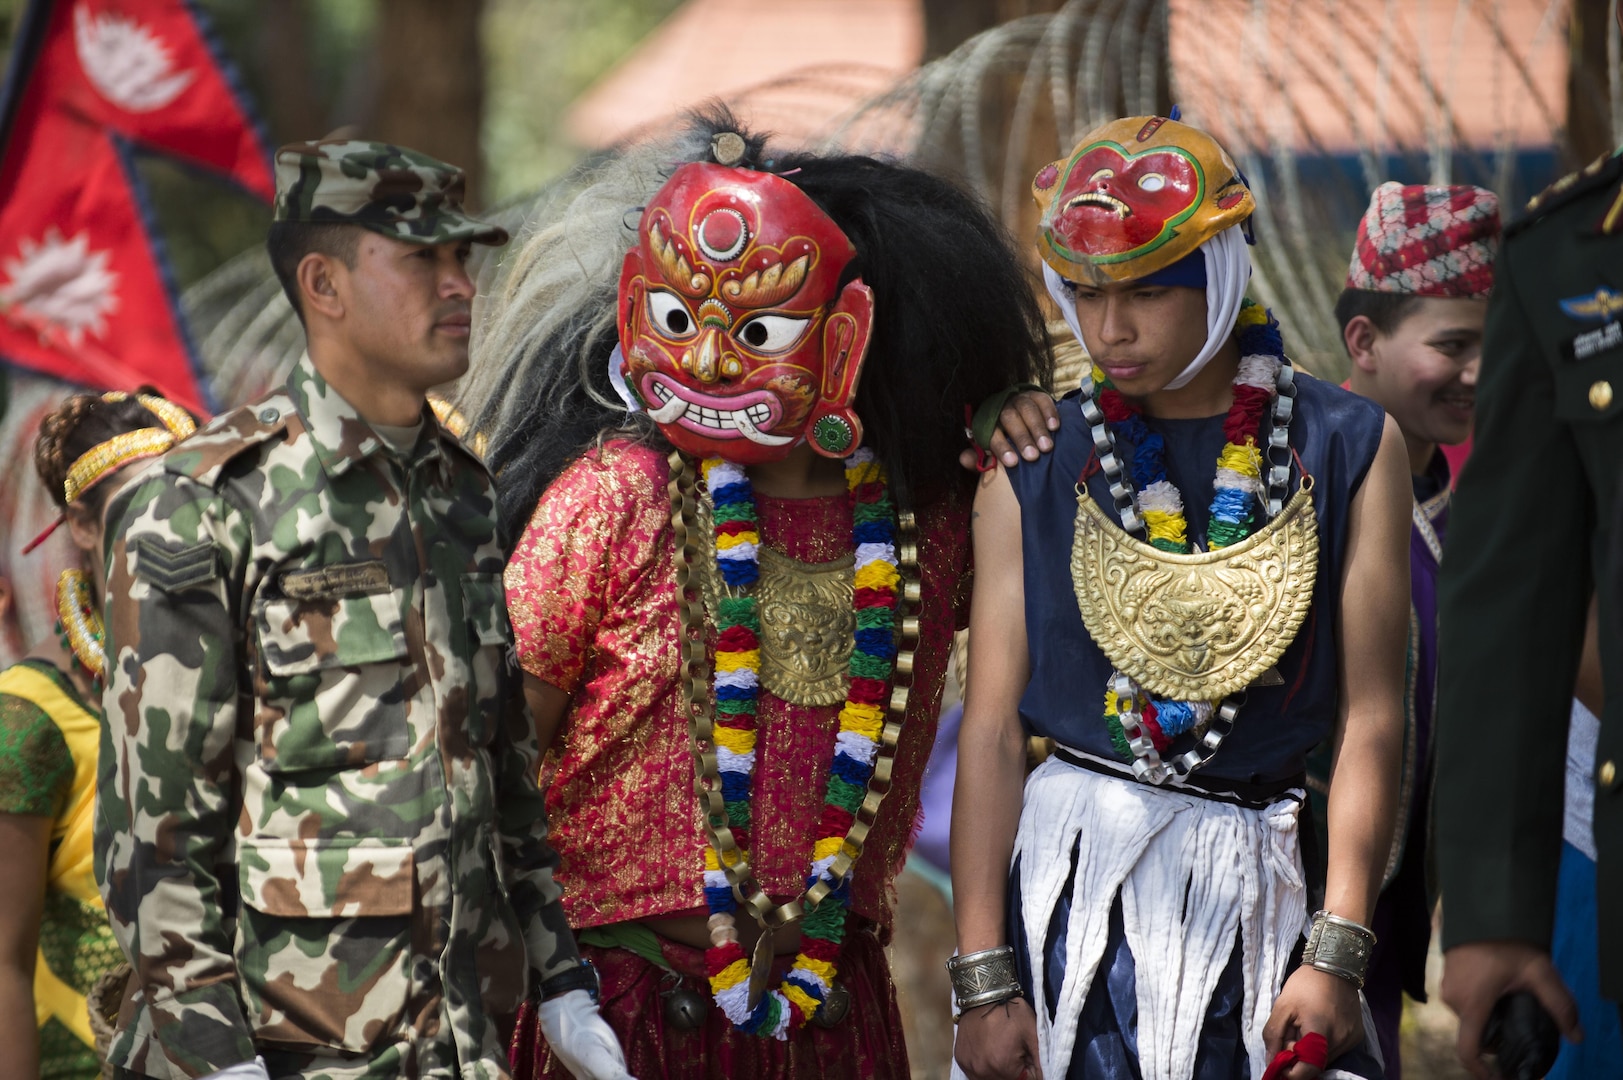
(482, 83)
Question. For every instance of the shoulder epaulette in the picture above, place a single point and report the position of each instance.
(1603, 171)
(228, 435)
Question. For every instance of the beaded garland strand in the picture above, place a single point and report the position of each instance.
(736, 688)
(1237, 494)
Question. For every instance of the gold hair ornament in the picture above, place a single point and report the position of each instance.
(106, 458)
(177, 420)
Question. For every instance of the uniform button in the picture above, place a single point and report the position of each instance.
(1607, 774)
(1600, 394)
(270, 416)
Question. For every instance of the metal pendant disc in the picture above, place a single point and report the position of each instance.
(761, 968)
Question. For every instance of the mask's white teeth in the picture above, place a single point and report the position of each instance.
(747, 426)
(670, 412)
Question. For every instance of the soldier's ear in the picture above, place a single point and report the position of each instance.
(316, 277)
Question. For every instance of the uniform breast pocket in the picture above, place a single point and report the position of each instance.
(488, 637)
(325, 938)
(331, 693)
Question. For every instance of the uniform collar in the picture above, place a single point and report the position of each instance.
(338, 433)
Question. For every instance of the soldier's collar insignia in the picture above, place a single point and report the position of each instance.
(1598, 306)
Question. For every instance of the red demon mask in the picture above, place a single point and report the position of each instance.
(735, 334)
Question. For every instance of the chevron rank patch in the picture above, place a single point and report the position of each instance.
(174, 569)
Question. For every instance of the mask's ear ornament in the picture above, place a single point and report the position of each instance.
(736, 335)
(835, 429)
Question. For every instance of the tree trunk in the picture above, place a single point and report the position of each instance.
(292, 110)
(430, 90)
(1589, 107)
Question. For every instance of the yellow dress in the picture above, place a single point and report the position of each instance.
(49, 738)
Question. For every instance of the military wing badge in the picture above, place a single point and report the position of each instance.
(1598, 306)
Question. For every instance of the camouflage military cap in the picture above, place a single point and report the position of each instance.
(388, 189)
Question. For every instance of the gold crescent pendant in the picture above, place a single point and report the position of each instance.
(1195, 627)
(808, 626)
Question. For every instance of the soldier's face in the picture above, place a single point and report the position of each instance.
(408, 309)
(1424, 372)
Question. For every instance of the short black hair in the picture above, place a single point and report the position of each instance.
(1385, 310)
(288, 242)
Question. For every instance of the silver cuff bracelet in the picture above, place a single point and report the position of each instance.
(983, 978)
(1339, 947)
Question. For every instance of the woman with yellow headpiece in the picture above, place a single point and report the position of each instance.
(54, 939)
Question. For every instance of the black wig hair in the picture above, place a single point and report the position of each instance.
(956, 319)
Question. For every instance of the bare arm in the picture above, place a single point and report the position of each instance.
(994, 1040)
(25, 841)
(549, 705)
(1367, 752)
(1365, 762)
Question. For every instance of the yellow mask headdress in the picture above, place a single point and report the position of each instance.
(1134, 197)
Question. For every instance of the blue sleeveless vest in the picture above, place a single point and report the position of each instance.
(1336, 434)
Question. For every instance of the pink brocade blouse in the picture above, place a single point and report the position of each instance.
(591, 590)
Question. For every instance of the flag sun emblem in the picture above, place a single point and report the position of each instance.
(59, 288)
(128, 64)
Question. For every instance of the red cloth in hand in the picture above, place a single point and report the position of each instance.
(1311, 1049)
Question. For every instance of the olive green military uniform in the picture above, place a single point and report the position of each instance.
(319, 835)
(1527, 544)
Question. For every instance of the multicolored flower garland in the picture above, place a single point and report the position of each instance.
(736, 688)
(1238, 491)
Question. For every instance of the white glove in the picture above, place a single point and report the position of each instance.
(247, 1070)
(581, 1038)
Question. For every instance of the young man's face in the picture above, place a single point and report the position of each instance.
(408, 309)
(1142, 335)
(1424, 372)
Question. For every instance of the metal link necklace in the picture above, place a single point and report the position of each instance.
(1147, 763)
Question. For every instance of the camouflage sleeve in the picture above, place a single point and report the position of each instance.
(522, 817)
(166, 799)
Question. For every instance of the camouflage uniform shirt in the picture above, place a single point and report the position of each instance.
(319, 834)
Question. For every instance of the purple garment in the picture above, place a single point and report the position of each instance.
(935, 794)
(1402, 918)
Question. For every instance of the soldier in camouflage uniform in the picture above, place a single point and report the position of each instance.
(319, 835)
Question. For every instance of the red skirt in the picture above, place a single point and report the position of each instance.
(865, 1045)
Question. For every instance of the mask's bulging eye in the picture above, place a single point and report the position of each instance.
(1152, 181)
(772, 333)
(669, 315)
(1102, 174)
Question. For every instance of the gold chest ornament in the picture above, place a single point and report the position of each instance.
(808, 626)
(1201, 626)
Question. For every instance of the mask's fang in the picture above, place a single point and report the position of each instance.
(670, 412)
(742, 421)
